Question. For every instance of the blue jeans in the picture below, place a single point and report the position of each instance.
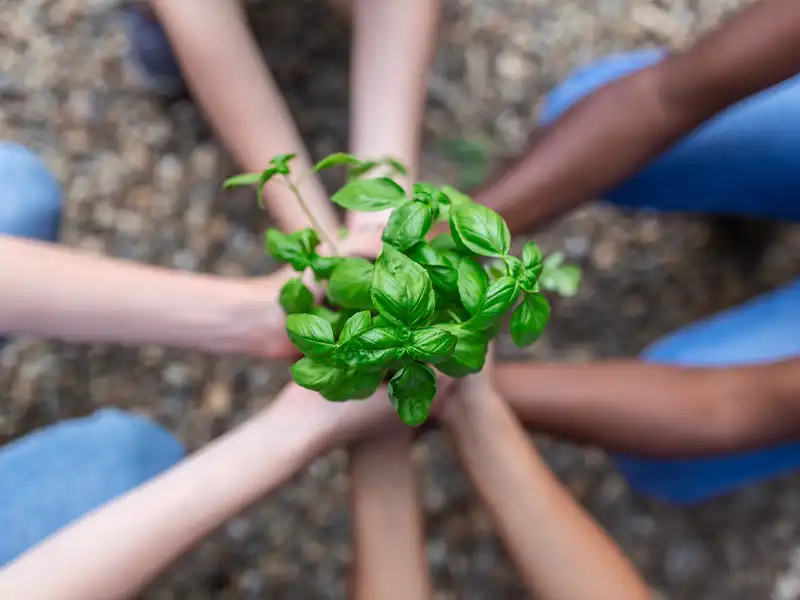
(743, 162)
(59, 473)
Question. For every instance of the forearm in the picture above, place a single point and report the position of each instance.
(634, 407)
(390, 561)
(546, 533)
(113, 553)
(393, 46)
(227, 73)
(57, 292)
(601, 141)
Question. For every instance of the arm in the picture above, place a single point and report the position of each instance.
(57, 292)
(393, 46)
(560, 552)
(227, 73)
(601, 141)
(634, 407)
(390, 560)
(114, 552)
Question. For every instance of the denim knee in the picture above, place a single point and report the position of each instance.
(30, 196)
(58, 474)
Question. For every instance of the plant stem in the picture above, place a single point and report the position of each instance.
(314, 223)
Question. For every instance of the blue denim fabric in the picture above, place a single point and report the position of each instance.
(743, 162)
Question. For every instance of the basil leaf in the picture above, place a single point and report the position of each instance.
(480, 229)
(564, 280)
(311, 334)
(469, 355)
(377, 347)
(323, 266)
(513, 266)
(454, 197)
(431, 344)
(370, 195)
(350, 284)
(358, 323)
(529, 320)
(402, 289)
(308, 240)
(314, 375)
(281, 163)
(442, 268)
(262, 181)
(411, 391)
(472, 284)
(499, 297)
(336, 319)
(532, 256)
(496, 269)
(356, 384)
(408, 224)
(364, 167)
(240, 180)
(396, 165)
(295, 297)
(335, 160)
(286, 248)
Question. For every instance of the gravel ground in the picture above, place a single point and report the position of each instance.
(143, 180)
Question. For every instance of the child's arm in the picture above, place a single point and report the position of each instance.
(603, 139)
(224, 67)
(657, 410)
(559, 550)
(57, 292)
(390, 561)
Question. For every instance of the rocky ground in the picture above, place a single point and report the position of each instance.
(142, 182)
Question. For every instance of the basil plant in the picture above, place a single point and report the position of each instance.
(424, 305)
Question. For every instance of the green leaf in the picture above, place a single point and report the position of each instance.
(281, 163)
(377, 347)
(287, 248)
(558, 277)
(455, 197)
(529, 320)
(308, 240)
(445, 242)
(312, 335)
(262, 181)
(295, 297)
(323, 266)
(364, 167)
(411, 391)
(396, 165)
(500, 296)
(472, 284)
(350, 284)
(441, 267)
(480, 229)
(513, 266)
(356, 384)
(316, 376)
(370, 195)
(532, 256)
(336, 319)
(335, 160)
(408, 224)
(431, 344)
(469, 355)
(240, 180)
(358, 323)
(402, 289)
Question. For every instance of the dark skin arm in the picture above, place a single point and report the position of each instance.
(657, 410)
(601, 141)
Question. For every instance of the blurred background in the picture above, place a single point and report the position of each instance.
(143, 182)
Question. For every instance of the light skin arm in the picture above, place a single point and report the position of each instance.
(57, 292)
(657, 410)
(560, 552)
(226, 71)
(156, 523)
(599, 142)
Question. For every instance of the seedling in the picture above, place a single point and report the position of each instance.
(423, 304)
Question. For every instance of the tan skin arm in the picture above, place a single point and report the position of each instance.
(560, 552)
(599, 142)
(656, 410)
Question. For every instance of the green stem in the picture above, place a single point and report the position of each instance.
(314, 223)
